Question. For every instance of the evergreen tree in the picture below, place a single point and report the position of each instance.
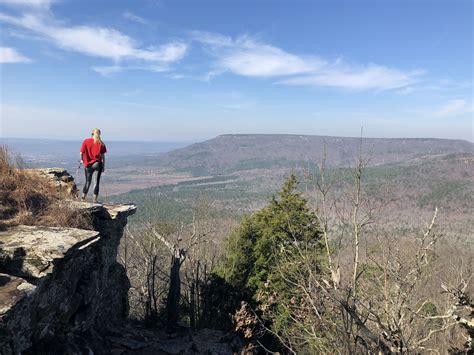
(253, 249)
(265, 255)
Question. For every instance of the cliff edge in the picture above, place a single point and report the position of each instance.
(61, 289)
(59, 286)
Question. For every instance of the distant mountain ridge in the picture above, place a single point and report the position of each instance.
(234, 152)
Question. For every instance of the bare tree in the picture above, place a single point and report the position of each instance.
(144, 257)
(179, 254)
(387, 297)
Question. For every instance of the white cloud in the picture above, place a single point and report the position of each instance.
(108, 70)
(10, 55)
(264, 60)
(169, 52)
(93, 41)
(371, 77)
(249, 57)
(453, 108)
(133, 17)
(96, 41)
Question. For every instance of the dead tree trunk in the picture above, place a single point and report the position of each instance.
(174, 292)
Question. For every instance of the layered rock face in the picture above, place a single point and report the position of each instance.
(60, 286)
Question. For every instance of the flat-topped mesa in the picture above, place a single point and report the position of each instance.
(60, 284)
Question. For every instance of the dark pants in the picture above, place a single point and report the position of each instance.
(89, 170)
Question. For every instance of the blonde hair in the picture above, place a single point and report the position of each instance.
(96, 135)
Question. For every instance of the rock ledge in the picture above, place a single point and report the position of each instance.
(57, 284)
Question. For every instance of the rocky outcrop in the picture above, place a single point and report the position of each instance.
(59, 286)
(63, 292)
(59, 177)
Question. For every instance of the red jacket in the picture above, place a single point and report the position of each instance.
(91, 152)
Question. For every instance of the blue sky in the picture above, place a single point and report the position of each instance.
(190, 70)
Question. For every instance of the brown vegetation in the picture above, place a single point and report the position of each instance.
(30, 199)
(168, 264)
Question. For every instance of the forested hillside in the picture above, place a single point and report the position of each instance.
(422, 175)
(230, 153)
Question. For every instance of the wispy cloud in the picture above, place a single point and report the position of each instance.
(248, 56)
(11, 55)
(453, 108)
(109, 71)
(370, 77)
(97, 41)
(134, 17)
(131, 93)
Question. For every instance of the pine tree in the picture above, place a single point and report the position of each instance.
(268, 244)
(252, 250)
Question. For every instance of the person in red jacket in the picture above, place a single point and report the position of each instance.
(93, 158)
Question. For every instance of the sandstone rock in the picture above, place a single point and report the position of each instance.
(62, 286)
(84, 206)
(31, 251)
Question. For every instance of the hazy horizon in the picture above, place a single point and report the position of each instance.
(197, 140)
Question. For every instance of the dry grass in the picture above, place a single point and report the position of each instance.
(59, 214)
(26, 198)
